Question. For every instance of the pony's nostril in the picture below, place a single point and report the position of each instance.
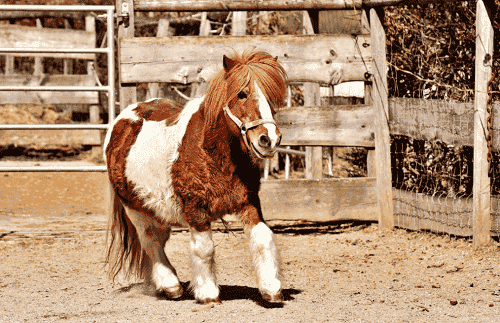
(264, 141)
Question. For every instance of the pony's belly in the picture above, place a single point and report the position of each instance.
(148, 167)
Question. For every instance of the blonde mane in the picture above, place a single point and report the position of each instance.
(254, 66)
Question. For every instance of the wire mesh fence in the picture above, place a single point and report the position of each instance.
(432, 165)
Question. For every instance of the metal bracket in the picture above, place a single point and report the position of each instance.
(123, 17)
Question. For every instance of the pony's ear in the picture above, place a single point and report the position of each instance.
(228, 63)
(276, 59)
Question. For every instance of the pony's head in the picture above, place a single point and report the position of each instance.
(249, 90)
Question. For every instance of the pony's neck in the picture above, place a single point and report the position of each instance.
(227, 155)
(216, 141)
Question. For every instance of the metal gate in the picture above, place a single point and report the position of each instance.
(106, 12)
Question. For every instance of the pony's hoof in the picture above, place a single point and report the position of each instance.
(275, 298)
(172, 292)
(208, 300)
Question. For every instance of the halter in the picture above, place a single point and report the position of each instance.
(245, 126)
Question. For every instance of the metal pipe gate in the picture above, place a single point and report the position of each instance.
(109, 50)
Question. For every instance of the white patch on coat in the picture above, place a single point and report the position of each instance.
(127, 113)
(204, 283)
(265, 258)
(265, 113)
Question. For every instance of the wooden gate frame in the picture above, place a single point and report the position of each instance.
(317, 199)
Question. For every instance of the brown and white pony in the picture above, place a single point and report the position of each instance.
(171, 165)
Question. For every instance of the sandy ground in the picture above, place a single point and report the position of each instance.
(52, 237)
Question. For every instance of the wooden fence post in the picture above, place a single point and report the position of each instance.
(314, 154)
(9, 62)
(128, 92)
(239, 23)
(94, 110)
(199, 89)
(154, 90)
(38, 67)
(481, 181)
(68, 62)
(371, 163)
(382, 135)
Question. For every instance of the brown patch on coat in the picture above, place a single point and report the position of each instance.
(159, 110)
(214, 177)
(123, 136)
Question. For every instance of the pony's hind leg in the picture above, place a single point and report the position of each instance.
(266, 261)
(204, 284)
(153, 236)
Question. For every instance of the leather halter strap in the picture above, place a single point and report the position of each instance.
(245, 126)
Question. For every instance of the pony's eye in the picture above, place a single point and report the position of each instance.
(242, 95)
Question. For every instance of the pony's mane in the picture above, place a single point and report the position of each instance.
(254, 66)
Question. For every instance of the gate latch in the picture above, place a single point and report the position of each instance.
(123, 17)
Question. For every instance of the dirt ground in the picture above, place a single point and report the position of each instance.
(52, 232)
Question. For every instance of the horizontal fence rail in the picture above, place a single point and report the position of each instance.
(57, 8)
(81, 168)
(252, 5)
(26, 50)
(109, 51)
(53, 126)
(58, 88)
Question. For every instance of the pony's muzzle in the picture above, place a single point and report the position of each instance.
(264, 141)
(268, 142)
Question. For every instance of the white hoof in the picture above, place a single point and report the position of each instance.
(208, 293)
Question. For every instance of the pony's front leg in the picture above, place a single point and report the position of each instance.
(204, 284)
(266, 261)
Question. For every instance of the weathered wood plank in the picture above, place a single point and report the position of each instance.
(242, 5)
(327, 126)
(382, 135)
(15, 36)
(53, 97)
(319, 200)
(330, 59)
(252, 5)
(50, 138)
(481, 182)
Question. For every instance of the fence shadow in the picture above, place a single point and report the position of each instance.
(311, 228)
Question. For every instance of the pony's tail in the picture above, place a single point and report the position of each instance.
(124, 251)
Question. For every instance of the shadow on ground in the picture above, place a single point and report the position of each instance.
(227, 293)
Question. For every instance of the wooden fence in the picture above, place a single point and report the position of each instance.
(330, 59)
(335, 59)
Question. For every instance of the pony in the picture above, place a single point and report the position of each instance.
(170, 165)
